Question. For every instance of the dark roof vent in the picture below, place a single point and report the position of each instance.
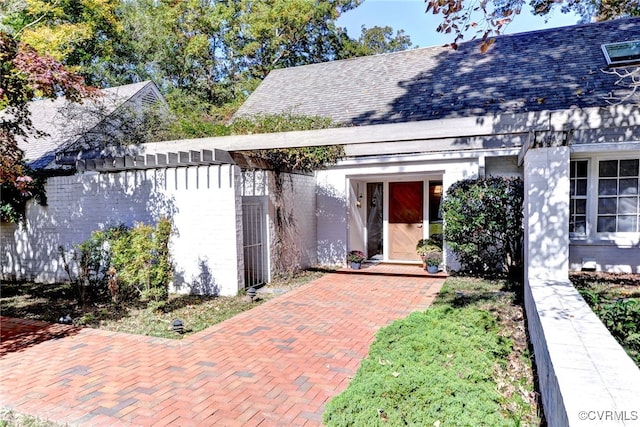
(624, 53)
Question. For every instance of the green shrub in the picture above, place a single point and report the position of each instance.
(432, 367)
(622, 319)
(123, 262)
(483, 224)
(140, 258)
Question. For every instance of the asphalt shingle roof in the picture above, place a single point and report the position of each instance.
(47, 117)
(542, 70)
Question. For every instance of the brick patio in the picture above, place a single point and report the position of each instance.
(277, 364)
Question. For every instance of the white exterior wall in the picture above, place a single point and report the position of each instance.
(581, 368)
(200, 200)
(331, 212)
(339, 218)
(298, 204)
(606, 255)
(546, 213)
(503, 166)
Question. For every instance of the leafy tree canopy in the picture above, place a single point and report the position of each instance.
(486, 17)
(24, 75)
(212, 52)
(376, 40)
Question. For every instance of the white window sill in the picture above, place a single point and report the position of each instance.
(620, 240)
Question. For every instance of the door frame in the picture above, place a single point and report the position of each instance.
(385, 180)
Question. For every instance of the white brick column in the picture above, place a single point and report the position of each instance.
(546, 213)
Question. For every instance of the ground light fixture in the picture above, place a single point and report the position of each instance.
(178, 326)
(251, 292)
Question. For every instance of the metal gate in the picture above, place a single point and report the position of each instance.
(254, 240)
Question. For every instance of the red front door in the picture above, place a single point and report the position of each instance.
(406, 201)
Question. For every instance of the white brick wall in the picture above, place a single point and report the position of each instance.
(546, 213)
(201, 200)
(297, 242)
(331, 196)
(582, 370)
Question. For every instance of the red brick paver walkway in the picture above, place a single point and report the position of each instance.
(277, 364)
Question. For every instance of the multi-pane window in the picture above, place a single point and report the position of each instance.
(578, 202)
(618, 196)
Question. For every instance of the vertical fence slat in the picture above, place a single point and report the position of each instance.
(254, 245)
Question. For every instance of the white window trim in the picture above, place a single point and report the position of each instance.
(584, 236)
(592, 236)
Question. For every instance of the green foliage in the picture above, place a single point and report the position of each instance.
(483, 224)
(462, 362)
(374, 41)
(356, 256)
(284, 122)
(123, 262)
(303, 159)
(25, 75)
(622, 319)
(434, 366)
(15, 195)
(615, 299)
(430, 251)
(141, 259)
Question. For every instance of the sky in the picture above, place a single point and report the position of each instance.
(409, 15)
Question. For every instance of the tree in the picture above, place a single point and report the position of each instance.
(491, 16)
(73, 32)
(211, 53)
(24, 74)
(376, 40)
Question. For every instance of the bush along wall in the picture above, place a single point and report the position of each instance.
(483, 224)
(123, 263)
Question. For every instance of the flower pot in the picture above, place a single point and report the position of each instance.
(355, 265)
(432, 269)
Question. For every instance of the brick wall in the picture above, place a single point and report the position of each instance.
(201, 200)
(293, 245)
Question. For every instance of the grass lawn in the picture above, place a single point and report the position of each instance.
(50, 302)
(463, 362)
(615, 299)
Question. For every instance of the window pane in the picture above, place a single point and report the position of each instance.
(581, 169)
(579, 226)
(608, 187)
(628, 186)
(581, 207)
(581, 187)
(627, 205)
(627, 223)
(606, 224)
(608, 205)
(608, 168)
(629, 167)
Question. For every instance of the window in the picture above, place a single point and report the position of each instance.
(578, 203)
(622, 53)
(618, 196)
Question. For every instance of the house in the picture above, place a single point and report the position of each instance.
(543, 105)
(94, 123)
(556, 107)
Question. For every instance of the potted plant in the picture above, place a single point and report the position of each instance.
(356, 258)
(430, 253)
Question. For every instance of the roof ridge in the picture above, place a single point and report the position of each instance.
(445, 47)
